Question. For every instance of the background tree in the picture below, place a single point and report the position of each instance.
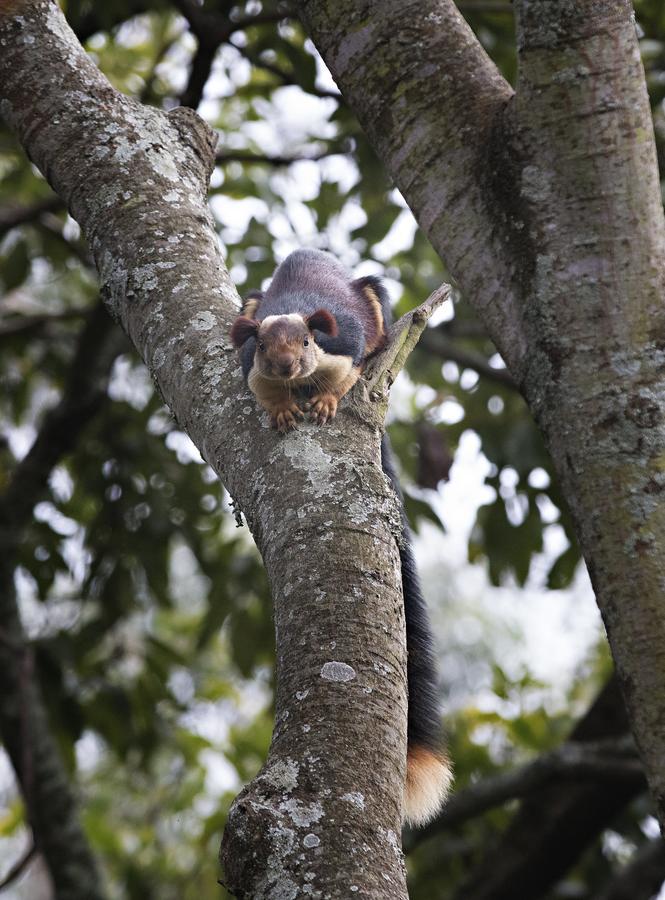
(123, 599)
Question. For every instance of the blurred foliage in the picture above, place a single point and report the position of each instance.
(148, 610)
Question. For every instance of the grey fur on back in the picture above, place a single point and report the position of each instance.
(306, 280)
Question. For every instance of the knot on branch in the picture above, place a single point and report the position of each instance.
(197, 135)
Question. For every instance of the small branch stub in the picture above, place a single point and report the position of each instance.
(403, 337)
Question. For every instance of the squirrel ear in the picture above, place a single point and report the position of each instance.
(243, 328)
(322, 320)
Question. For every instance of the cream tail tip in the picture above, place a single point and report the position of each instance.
(428, 779)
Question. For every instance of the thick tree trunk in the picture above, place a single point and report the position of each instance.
(546, 207)
(325, 813)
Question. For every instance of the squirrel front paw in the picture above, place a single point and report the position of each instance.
(283, 418)
(322, 408)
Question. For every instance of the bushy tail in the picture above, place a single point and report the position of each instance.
(428, 773)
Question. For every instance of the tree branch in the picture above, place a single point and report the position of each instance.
(609, 761)
(643, 876)
(12, 217)
(285, 77)
(590, 177)
(536, 850)
(434, 340)
(246, 156)
(18, 868)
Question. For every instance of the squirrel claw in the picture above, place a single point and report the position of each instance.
(322, 408)
(285, 419)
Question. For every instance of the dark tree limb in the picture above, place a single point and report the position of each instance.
(552, 828)
(641, 878)
(434, 340)
(12, 217)
(246, 156)
(611, 761)
(25, 325)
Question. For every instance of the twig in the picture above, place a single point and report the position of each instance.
(25, 324)
(435, 341)
(286, 77)
(18, 868)
(244, 156)
(237, 512)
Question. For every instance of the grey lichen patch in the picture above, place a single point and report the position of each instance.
(159, 358)
(204, 321)
(358, 511)
(355, 798)
(282, 774)
(311, 840)
(303, 815)
(307, 455)
(383, 668)
(278, 884)
(393, 840)
(337, 671)
(536, 184)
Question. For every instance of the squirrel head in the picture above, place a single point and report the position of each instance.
(285, 345)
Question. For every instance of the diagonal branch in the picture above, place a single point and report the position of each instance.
(607, 761)
(246, 156)
(536, 850)
(285, 76)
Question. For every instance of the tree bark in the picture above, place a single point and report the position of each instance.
(545, 206)
(324, 814)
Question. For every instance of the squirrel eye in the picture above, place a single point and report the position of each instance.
(305, 343)
(262, 346)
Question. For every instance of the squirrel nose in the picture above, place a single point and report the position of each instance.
(286, 363)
